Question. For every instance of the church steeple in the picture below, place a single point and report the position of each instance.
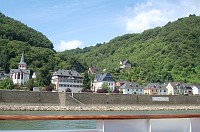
(22, 58)
(22, 64)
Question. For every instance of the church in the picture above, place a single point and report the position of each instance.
(21, 75)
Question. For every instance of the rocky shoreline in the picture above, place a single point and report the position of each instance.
(97, 107)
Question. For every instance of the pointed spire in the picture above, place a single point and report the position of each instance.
(22, 58)
(22, 62)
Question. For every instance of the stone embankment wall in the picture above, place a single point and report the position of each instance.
(66, 99)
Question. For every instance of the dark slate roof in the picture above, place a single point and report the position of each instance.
(182, 85)
(20, 71)
(94, 70)
(175, 83)
(104, 77)
(97, 76)
(69, 73)
(131, 85)
(125, 61)
(156, 85)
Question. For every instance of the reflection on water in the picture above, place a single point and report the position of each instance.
(46, 125)
(66, 125)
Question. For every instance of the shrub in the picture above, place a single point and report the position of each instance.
(68, 90)
(48, 88)
(86, 90)
(102, 90)
(115, 91)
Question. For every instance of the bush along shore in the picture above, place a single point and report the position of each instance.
(98, 108)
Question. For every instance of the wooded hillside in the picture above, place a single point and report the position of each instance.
(168, 53)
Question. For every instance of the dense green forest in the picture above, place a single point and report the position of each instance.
(16, 37)
(168, 53)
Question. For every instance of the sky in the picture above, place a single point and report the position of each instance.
(69, 24)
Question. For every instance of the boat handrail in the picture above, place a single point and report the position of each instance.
(96, 117)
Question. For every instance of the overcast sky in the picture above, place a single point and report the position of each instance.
(79, 23)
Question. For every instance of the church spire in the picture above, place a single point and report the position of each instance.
(22, 64)
(22, 58)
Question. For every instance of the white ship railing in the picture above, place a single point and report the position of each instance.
(123, 123)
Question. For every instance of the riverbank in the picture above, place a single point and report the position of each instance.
(11, 107)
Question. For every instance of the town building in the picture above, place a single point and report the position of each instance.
(119, 83)
(93, 70)
(196, 89)
(177, 88)
(67, 79)
(132, 88)
(125, 64)
(22, 74)
(155, 89)
(3, 75)
(101, 79)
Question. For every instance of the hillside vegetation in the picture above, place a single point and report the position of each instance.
(16, 37)
(168, 53)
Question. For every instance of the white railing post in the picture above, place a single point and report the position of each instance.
(148, 125)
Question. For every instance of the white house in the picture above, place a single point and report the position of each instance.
(131, 88)
(22, 74)
(176, 88)
(125, 64)
(64, 79)
(34, 75)
(100, 79)
(196, 89)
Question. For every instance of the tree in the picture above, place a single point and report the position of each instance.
(43, 77)
(105, 88)
(102, 90)
(7, 83)
(86, 81)
(30, 84)
(5, 60)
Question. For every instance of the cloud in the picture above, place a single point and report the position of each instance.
(151, 14)
(67, 45)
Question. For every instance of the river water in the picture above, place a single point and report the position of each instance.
(66, 124)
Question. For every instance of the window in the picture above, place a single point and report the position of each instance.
(18, 75)
(127, 89)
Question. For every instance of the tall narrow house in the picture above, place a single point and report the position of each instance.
(21, 75)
